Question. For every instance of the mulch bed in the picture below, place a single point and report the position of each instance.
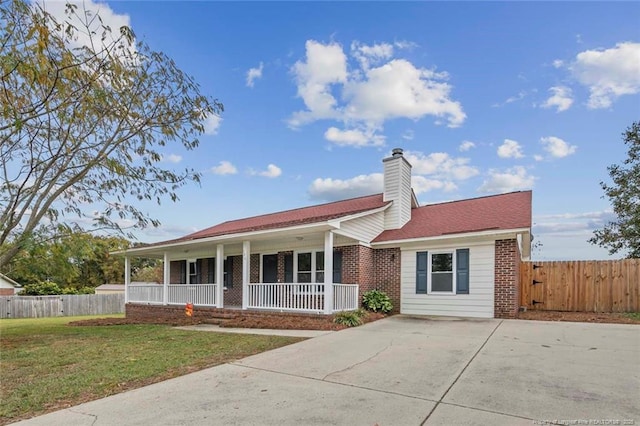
(614, 318)
(250, 321)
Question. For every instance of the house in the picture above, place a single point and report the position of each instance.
(109, 289)
(8, 287)
(457, 258)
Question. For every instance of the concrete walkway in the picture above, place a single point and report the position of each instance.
(402, 371)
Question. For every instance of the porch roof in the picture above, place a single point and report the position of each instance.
(494, 212)
(314, 216)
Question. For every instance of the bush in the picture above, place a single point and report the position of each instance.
(377, 301)
(349, 318)
(42, 288)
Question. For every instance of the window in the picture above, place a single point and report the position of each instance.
(304, 267)
(444, 272)
(319, 266)
(193, 271)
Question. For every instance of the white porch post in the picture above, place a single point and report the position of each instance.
(328, 272)
(246, 272)
(127, 278)
(167, 277)
(220, 275)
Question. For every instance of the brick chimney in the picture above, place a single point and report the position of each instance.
(397, 188)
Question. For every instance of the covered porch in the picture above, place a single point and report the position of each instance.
(305, 269)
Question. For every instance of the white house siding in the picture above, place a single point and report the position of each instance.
(364, 228)
(478, 303)
(397, 188)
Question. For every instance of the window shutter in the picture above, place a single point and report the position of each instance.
(211, 270)
(462, 271)
(288, 268)
(422, 261)
(337, 267)
(183, 272)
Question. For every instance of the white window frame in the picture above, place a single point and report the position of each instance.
(453, 272)
(195, 268)
(313, 268)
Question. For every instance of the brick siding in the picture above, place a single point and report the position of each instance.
(233, 296)
(507, 294)
(387, 273)
(176, 313)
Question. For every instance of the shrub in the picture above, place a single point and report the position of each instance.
(349, 318)
(42, 288)
(377, 301)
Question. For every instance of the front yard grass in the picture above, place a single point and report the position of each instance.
(47, 365)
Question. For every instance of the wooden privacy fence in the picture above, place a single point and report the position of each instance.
(63, 305)
(581, 286)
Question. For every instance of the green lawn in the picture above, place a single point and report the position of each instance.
(46, 364)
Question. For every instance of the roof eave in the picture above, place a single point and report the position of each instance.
(489, 233)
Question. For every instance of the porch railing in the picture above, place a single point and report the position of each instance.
(178, 294)
(298, 297)
(286, 296)
(145, 293)
(345, 297)
(198, 294)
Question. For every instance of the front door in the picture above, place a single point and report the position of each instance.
(270, 268)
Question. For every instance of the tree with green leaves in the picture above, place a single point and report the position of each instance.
(623, 234)
(85, 112)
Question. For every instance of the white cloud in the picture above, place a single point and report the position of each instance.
(557, 147)
(441, 165)
(324, 66)
(224, 168)
(408, 135)
(211, 124)
(513, 179)
(466, 146)
(373, 54)
(558, 63)
(520, 96)
(272, 171)
(421, 184)
(172, 158)
(510, 149)
(538, 157)
(377, 89)
(561, 98)
(357, 138)
(254, 74)
(399, 89)
(81, 37)
(608, 73)
(338, 189)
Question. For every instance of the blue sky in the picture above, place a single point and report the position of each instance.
(484, 98)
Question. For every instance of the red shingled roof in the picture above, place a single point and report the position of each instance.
(496, 212)
(301, 216)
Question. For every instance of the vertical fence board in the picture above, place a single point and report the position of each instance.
(583, 286)
(63, 305)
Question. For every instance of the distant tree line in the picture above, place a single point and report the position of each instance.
(76, 262)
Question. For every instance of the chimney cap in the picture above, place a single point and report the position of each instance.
(397, 152)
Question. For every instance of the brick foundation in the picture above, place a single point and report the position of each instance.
(507, 294)
(176, 314)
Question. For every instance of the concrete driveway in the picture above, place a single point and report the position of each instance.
(403, 371)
